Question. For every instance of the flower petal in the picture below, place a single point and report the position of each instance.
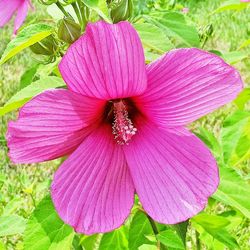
(186, 84)
(7, 10)
(173, 172)
(92, 190)
(21, 14)
(107, 62)
(51, 125)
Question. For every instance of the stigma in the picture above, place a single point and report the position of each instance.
(123, 128)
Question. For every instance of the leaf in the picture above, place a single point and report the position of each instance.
(12, 224)
(235, 137)
(139, 228)
(12, 206)
(231, 5)
(115, 240)
(181, 229)
(234, 56)
(243, 98)
(233, 191)
(25, 94)
(210, 140)
(147, 247)
(88, 241)
(174, 25)
(153, 38)
(28, 76)
(211, 221)
(100, 7)
(170, 239)
(45, 230)
(245, 44)
(215, 226)
(25, 38)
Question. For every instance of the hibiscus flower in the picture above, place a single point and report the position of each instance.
(123, 125)
(9, 7)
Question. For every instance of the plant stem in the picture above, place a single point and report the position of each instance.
(62, 9)
(78, 14)
(198, 243)
(160, 246)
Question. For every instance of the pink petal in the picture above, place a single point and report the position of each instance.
(187, 84)
(7, 10)
(107, 62)
(21, 14)
(51, 125)
(173, 172)
(92, 190)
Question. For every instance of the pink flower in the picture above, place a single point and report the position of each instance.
(123, 126)
(185, 10)
(8, 9)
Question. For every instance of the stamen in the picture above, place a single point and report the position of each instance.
(123, 128)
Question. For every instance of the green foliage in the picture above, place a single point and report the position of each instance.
(231, 5)
(161, 27)
(100, 7)
(116, 240)
(233, 191)
(243, 98)
(235, 137)
(175, 27)
(25, 94)
(170, 239)
(11, 224)
(27, 37)
(45, 230)
(140, 227)
(215, 226)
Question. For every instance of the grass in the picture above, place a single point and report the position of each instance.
(25, 185)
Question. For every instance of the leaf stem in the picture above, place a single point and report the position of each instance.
(160, 246)
(198, 243)
(62, 9)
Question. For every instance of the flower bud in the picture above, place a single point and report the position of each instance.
(121, 10)
(69, 31)
(47, 46)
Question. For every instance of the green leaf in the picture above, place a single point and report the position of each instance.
(139, 228)
(28, 77)
(233, 191)
(100, 7)
(174, 26)
(235, 137)
(88, 241)
(211, 221)
(115, 240)
(245, 44)
(210, 140)
(170, 239)
(243, 98)
(147, 247)
(234, 56)
(25, 38)
(25, 94)
(45, 230)
(153, 38)
(215, 226)
(11, 224)
(231, 5)
(181, 229)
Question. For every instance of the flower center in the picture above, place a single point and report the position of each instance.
(123, 128)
